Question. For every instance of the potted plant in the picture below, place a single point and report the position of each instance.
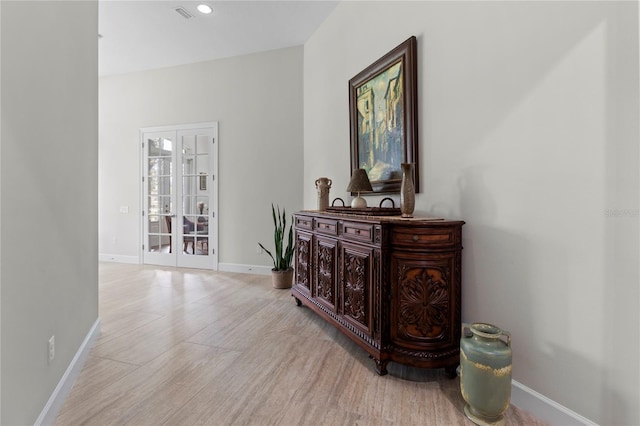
(282, 272)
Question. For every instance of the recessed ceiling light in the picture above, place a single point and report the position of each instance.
(204, 8)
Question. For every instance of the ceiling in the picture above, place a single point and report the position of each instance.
(142, 35)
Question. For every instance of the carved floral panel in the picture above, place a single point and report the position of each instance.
(355, 295)
(303, 250)
(423, 305)
(326, 273)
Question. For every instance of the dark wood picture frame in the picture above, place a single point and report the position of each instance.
(383, 116)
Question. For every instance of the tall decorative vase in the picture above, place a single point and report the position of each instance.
(407, 191)
(485, 373)
(323, 185)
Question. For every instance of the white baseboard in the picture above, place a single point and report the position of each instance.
(57, 398)
(223, 267)
(544, 408)
(244, 269)
(118, 258)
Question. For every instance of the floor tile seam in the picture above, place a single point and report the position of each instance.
(236, 350)
(342, 378)
(115, 360)
(158, 332)
(138, 323)
(120, 380)
(200, 330)
(131, 306)
(87, 394)
(105, 388)
(119, 312)
(113, 281)
(123, 334)
(169, 349)
(376, 419)
(197, 392)
(245, 320)
(177, 408)
(259, 301)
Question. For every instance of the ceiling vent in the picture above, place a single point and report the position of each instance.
(184, 12)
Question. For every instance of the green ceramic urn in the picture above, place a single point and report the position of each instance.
(485, 373)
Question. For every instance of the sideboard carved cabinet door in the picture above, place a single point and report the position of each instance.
(424, 310)
(304, 261)
(356, 286)
(325, 290)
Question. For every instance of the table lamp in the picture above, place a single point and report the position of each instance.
(359, 183)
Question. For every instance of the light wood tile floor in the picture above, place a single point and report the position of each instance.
(189, 347)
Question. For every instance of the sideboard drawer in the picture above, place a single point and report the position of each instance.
(326, 226)
(304, 222)
(425, 237)
(357, 231)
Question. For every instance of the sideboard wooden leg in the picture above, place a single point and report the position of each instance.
(298, 302)
(451, 371)
(381, 367)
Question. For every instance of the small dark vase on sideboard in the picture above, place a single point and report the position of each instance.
(392, 285)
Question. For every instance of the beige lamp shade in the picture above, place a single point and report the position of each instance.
(359, 183)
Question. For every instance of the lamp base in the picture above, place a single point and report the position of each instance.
(358, 203)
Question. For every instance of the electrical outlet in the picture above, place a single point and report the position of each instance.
(52, 348)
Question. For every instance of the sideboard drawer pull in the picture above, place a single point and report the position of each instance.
(328, 227)
(304, 223)
(416, 238)
(358, 231)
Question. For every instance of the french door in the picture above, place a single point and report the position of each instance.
(180, 196)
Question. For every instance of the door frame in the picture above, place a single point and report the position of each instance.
(213, 181)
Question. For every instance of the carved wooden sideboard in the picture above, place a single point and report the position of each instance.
(390, 284)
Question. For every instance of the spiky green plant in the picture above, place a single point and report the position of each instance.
(284, 255)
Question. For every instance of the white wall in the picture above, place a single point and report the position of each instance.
(0, 217)
(48, 175)
(528, 132)
(257, 100)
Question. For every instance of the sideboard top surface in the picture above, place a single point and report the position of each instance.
(398, 220)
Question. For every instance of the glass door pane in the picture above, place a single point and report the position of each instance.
(195, 199)
(159, 243)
